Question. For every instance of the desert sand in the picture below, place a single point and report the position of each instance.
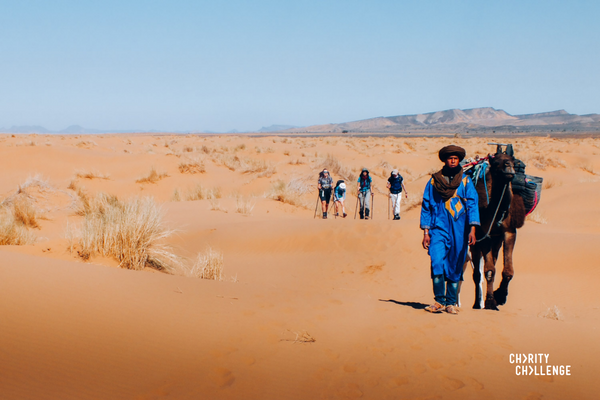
(306, 308)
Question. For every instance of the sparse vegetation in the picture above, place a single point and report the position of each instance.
(243, 205)
(199, 192)
(152, 177)
(192, 167)
(129, 231)
(290, 192)
(552, 313)
(208, 265)
(91, 175)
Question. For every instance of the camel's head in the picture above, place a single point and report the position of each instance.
(502, 166)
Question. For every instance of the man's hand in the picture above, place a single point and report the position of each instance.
(472, 238)
(426, 239)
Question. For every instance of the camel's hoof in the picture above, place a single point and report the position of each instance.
(477, 305)
(490, 304)
(500, 297)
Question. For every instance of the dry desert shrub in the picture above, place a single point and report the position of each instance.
(208, 265)
(24, 211)
(334, 166)
(205, 149)
(542, 162)
(588, 168)
(244, 205)
(91, 175)
(296, 162)
(199, 192)
(176, 195)
(192, 167)
(215, 205)
(537, 217)
(290, 193)
(87, 144)
(12, 231)
(239, 147)
(130, 231)
(152, 177)
(550, 183)
(188, 149)
(286, 153)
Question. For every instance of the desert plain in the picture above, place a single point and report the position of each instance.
(304, 308)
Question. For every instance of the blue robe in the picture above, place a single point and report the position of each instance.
(449, 224)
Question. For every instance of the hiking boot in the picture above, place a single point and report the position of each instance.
(435, 308)
(324, 215)
(337, 215)
(396, 217)
(345, 215)
(452, 310)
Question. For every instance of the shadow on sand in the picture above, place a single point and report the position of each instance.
(414, 304)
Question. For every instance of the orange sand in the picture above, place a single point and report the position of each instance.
(88, 330)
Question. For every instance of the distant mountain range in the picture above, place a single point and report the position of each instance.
(474, 120)
(486, 119)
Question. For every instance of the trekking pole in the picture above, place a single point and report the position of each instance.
(356, 208)
(317, 205)
(372, 205)
(389, 199)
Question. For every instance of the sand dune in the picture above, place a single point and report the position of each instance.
(308, 308)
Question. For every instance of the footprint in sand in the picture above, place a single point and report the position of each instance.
(452, 384)
(419, 369)
(400, 381)
(223, 377)
(351, 391)
(475, 383)
(533, 396)
(434, 364)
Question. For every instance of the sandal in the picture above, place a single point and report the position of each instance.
(435, 308)
(452, 310)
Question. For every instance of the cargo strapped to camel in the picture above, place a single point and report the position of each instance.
(529, 187)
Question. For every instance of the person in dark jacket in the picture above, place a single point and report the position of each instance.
(396, 184)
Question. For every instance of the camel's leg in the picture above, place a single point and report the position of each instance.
(477, 276)
(489, 270)
(508, 271)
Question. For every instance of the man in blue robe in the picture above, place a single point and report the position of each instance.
(449, 214)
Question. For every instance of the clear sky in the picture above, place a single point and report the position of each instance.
(222, 65)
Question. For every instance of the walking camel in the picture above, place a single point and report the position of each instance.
(501, 212)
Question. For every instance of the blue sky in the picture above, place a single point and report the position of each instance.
(223, 65)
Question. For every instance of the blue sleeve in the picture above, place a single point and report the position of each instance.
(426, 211)
(472, 200)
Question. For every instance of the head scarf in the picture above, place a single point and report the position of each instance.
(452, 150)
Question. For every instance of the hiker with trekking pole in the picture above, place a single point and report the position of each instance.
(324, 184)
(365, 195)
(395, 184)
(339, 196)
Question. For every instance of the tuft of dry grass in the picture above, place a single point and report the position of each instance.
(176, 196)
(129, 231)
(86, 144)
(192, 167)
(12, 231)
(199, 192)
(588, 168)
(290, 192)
(244, 205)
(91, 175)
(188, 149)
(152, 177)
(550, 183)
(542, 162)
(24, 211)
(333, 165)
(296, 162)
(208, 265)
(537, 217)
(215, 205)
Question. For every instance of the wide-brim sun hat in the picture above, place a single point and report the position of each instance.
(395, 172)
(342, 185)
